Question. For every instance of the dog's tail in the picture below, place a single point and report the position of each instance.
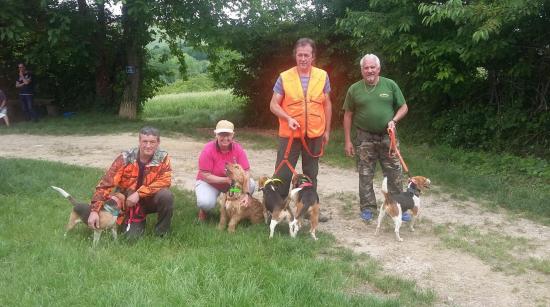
(385, 187)
(65, 194)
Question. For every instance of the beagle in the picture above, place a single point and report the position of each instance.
(275, 205)
(306, 199)
(107, 215)
(395, 205)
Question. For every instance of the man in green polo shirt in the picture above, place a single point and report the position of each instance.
(372, 105)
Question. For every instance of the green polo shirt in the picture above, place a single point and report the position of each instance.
(373, 106)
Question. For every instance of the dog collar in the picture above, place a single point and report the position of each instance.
(306, 184)
(234, 190)
(112, 210)
(274, 180)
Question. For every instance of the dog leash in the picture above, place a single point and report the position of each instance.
(136, 215)
(287, 152)
(394, 151)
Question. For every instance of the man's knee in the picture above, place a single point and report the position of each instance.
(206, 202)
(251, 186)
(165, 199)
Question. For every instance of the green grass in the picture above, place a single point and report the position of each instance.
(521, 185)
(503, 253)
(174, 113)
(197, 109)
(195, 265)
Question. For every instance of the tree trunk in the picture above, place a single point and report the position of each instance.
(128, 106)
(131, 27)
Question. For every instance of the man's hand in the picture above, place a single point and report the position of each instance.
(391, 124)
(326, 138)
(350, 151)
(132, 200)
(93, 220)
(293, 124)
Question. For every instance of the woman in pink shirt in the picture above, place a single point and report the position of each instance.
(211, 178)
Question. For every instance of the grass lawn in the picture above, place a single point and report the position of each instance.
(195, 265)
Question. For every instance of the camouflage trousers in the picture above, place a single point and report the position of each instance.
(369, 149)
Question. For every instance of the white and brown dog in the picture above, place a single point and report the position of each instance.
(306, 199)
(275, 205)
(107, 215)
(396, 205)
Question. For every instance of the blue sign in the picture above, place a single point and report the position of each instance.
(130, 70)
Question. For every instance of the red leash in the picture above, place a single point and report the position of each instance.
(395, 151)
(136, 215)
(287, 152)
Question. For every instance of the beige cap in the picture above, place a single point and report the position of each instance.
(224, 126)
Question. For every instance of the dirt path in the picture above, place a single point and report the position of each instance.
(459, 279)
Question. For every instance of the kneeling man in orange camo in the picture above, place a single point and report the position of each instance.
(144, 176)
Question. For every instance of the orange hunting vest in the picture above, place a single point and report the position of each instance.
(308, 111)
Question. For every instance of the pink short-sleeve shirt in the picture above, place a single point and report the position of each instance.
(212, 160)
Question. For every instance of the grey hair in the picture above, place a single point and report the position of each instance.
(148, 130)
(369, 56)
(305, 41)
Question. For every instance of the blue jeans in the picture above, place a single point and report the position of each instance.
(26, 104)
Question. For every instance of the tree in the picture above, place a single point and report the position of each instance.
(136, 19)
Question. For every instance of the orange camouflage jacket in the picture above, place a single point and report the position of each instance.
(123, 174)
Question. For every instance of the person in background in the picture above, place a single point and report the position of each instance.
(26, 91)
(4, 108)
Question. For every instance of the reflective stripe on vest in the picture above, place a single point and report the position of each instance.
(309, 110)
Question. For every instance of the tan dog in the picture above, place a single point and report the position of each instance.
(395, 205)
(275, 205)
(307, 201)
(107, 215)
(233, 208)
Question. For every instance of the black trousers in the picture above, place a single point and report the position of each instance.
(310, 165)
(161, 203)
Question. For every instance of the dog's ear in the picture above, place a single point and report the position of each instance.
(294, 180)
(421, 182)
(261, 181)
